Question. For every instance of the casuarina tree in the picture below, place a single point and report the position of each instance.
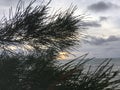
(47, 35)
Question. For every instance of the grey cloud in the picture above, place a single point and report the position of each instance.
(91, 24)
(102, 6)
(99, 41)
(103, 18)
(98, 46)
(8, 2)
(12, 2)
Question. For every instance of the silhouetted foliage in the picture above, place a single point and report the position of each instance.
(9, 73)
(34, 26)
(41, 71)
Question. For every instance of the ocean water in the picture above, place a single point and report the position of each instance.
(114, 61)
(94, 63)
(97, 61)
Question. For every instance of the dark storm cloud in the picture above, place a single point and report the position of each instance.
(102, 6)
(99, 41)
(91, 24)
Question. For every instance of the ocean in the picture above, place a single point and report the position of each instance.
(95, 62)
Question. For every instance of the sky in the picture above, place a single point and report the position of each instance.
(102, 36)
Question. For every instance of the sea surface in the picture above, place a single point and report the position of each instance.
(112, 61)
(95, 62)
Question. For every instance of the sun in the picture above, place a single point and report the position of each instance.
(62, 55)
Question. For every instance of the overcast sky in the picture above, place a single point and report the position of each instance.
(103, 33)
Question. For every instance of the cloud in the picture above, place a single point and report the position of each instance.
(102, 6)
(103, 18)
(101, 47)
(8, 3)
(91, 24)
(99, 41)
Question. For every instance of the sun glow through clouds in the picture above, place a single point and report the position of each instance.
(62, 56)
